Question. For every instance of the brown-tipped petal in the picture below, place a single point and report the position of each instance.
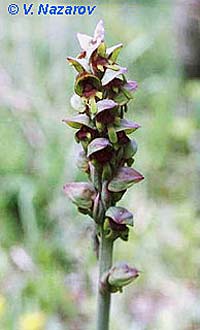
(122, 275)
(78, 121)
(124, 179)
(127, 126)
(96, 145)
(112, 74)
(80, 65)
(80, 193)
(120, 215)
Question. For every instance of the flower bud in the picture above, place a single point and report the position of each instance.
(124, 179)
(120, 215)
(90, 44)
(130, 149)
(97, 212)
(119, 218)
(105, 195)
(80, 193)
(122, 275)
(82, 162)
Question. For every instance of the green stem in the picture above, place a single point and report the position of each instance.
(105, 263)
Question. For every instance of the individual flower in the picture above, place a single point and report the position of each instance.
(90, 44)
(106, 111)
(117, 219)
(121, 90)
(103, 59)
(119, 215)
(88, 85)
(98, 63)
(124, 178)
(86, 131)
(100, 149)
(85, 134)
(82, 194)
(121, 275)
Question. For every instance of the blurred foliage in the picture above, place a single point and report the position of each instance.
(48, 269)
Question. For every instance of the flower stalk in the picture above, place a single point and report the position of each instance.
(104, 296)
(101, 96)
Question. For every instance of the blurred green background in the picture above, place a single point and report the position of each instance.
(48, 271)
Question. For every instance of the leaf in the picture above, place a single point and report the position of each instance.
(96, 145)
(127, 126)
(80, 193)
(124, 179)
(112, 74)
(120, 215)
